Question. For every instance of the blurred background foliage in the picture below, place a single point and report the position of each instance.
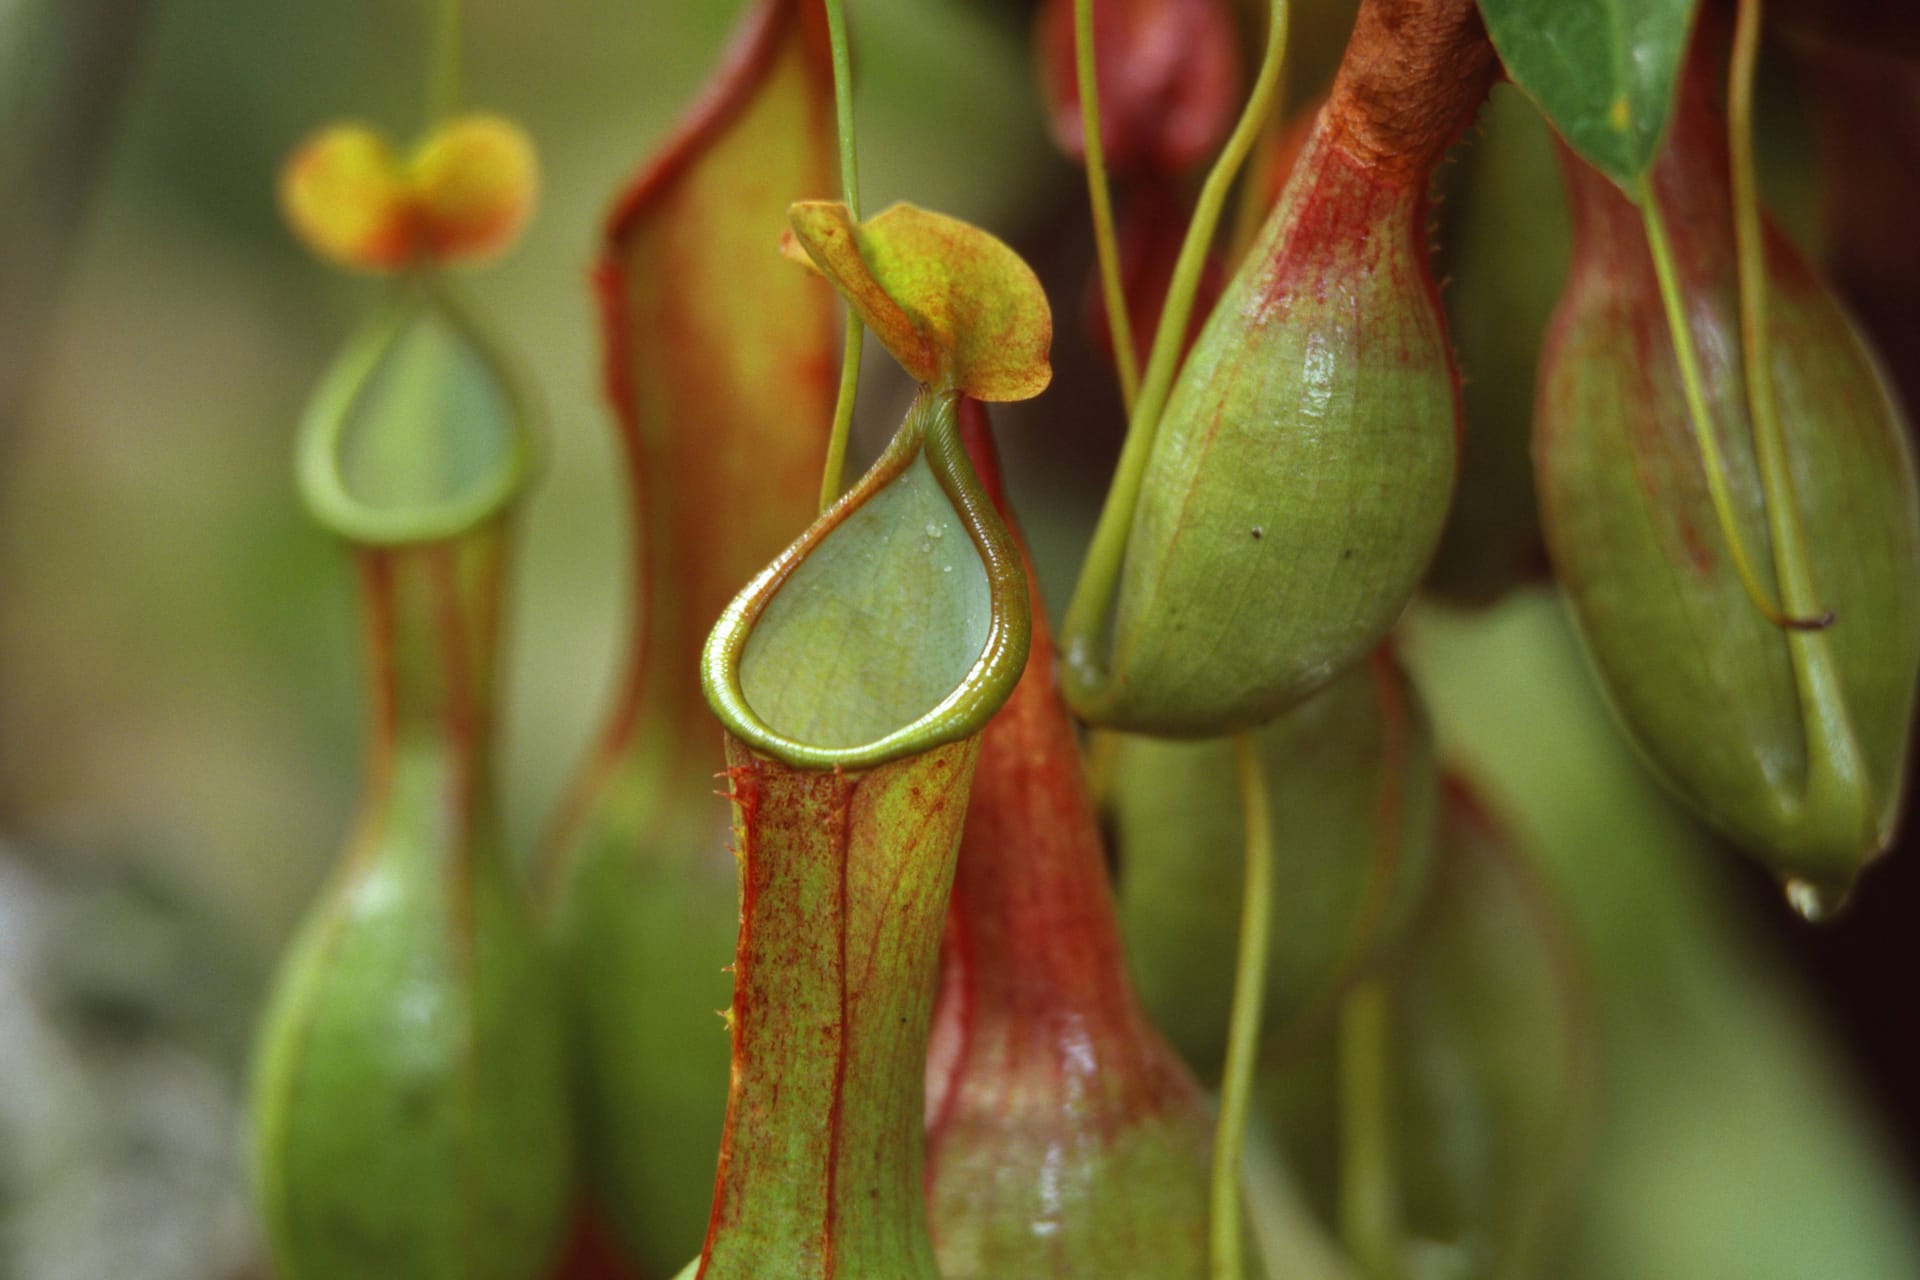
(180, 710)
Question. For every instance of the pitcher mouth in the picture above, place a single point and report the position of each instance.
(930, 432)
(324, 464)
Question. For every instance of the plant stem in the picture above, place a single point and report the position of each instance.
(1087, 611)
(1106, 247)
(1701, 417)
(850, 194)
(1252, 206)
(1243, 1028)
(1369, 1213)
(443, 68)
(1783, 514)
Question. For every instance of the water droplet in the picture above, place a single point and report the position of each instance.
(926, 548)
(1814, 903)
(935, 531)
(946, 568)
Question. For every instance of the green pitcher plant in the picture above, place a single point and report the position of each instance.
(1354, 771)
(410, 1105)
(854, 676)
(1298, 479)
(878, 936)
(1443, 1123)
(1790, 738)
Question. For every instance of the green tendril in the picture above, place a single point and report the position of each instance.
(831, 473)
(1369, 1205)
(1701, 418)
(1769, 442)
(443, 74)
(1243, 1027)
(1252, 206)
(1100, 198)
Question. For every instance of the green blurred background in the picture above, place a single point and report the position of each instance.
(180, 712)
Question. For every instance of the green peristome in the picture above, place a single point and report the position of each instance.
(1792, 743)
(1352, 784)
(1489, 1055)
(1301, 473)
(411, 1118)
(418, 431)
(897, 623)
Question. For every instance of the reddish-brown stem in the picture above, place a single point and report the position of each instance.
(1414, 73)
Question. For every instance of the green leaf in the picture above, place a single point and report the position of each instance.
(1603, 71)
(957, 308)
